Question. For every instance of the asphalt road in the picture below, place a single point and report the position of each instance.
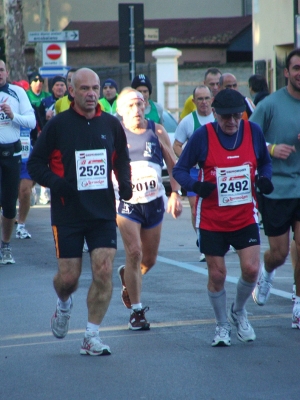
(174, 360)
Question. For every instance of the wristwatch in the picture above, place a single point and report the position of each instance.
(177, 191)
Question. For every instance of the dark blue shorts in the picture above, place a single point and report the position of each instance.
(217, 243)
(98, 234)
(148, 215)
(24, 173)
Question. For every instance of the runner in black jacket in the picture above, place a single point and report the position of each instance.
(52, 164)
(74, 157)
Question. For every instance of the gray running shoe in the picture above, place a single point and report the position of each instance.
(92, 345)
(222, 335)
(6, 256)
(296, 317)
(245, 332)
(22, 233)
(60, 321)
(262, 290)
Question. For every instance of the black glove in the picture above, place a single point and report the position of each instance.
(264, 185)
(204, 189)
(125, 192)
(63, 188)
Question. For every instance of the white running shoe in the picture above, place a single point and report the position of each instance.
(296, 317)
(262, 290)
(22, 233)
(6, 256)
(60, 321)
(222, 335)
(245, 332)
(92, 345)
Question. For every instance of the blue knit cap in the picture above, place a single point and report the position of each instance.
(109, 82)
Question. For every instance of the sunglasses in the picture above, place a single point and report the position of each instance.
(37, 79)
(229, 116)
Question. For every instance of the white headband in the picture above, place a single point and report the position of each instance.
(130, 96)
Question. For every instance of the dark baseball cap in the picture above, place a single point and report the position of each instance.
(229, 101)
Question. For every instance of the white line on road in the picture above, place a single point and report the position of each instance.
(203, 271)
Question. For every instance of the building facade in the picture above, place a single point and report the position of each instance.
(274, 36)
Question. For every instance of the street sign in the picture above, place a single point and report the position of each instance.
(53, 51)
(50, 72)
(53, 36)
(54, 54)
(151, 34)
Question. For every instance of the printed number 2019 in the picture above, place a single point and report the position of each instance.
(144, 186)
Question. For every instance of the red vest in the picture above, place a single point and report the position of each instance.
(234, 217)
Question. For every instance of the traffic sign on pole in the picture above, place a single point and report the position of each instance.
(50, 72)
(53, 51)
(54, 54)
(53, 36)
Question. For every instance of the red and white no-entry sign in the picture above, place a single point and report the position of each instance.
(54, 54)
(53, 51)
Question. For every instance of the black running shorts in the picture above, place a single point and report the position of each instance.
(98, 234)
(10, 168)
(217, 243)
(278, 215)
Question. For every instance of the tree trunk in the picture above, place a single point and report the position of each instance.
(45, 26)
(14, 39)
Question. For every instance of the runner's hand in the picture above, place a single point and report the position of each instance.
(264, 185)
(204, 189)
(125, 192)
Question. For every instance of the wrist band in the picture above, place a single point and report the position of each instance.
(272, 150)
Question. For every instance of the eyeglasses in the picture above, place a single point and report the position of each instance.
(229, 116)
(38, 79)
(203, 98)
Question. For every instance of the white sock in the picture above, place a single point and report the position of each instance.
(269, 276)
(137, 306)
(64, 305)
(90, 327)
(20, 226)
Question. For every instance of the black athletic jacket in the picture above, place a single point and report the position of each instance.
(52, 164)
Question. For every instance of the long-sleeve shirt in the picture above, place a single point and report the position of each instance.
(53, 158)
(230, 162)
(195, 152)
(24, 115)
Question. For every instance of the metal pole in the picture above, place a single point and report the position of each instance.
(131, 45)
